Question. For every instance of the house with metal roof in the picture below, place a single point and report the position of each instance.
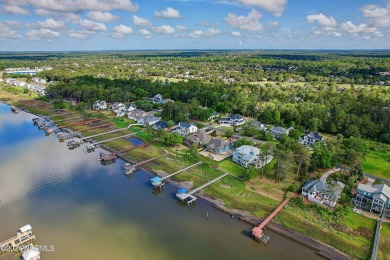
(321, 193)
(375, 199)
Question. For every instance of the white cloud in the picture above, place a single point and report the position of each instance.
(13, 9)
(48, 24)
(169, 12)
(77, 6)
(121, 30)
(362, 27)
(209, 32)
(249, 23)
(42, 34)
(236, 34)
(91, 25)
(13, 23)
(7, 33)
(139, 21)
(321, 19)
(164, 29)
(101, 16)
(276, 7)
(82, 34)
(145, 32)
(181, 28)
(377, 15)
(273, 23)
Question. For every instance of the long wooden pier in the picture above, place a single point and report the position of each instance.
(62, 137)
(158, 182)
(51, 130)
(65, 119)
(184, 195)
(63, 114)
(91, 147)
(111, 157)
(257, 232)
(131, 168)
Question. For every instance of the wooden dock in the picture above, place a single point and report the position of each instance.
(22, 237)
(158, 182)
(187, 196)
(131, 168)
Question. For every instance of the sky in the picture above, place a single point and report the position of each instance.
(66, 25)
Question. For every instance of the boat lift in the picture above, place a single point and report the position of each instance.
(158, 182)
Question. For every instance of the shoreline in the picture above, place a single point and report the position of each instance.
(320, 248)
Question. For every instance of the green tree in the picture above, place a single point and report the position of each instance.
(172, 139)
(229, 133)
(243, 141)
(250, 172)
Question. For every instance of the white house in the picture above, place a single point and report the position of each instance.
(279, 131)
(320, 192)
(116, 107)
(185, 128)
(38, 80)
(246, 155)
(232, 119)
(213, 116)
(99, 105)
(311, 138)
(157, 99)
(149, 120)
(41, 90)
(31, 254)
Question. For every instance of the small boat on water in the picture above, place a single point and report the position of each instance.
(14, 110)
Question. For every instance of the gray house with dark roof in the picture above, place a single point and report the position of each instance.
(320, 192)
(232, 119)
(200, 138)
(375, 199)
(311, 138)
(219, 146)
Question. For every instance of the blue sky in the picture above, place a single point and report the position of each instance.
(49, 25)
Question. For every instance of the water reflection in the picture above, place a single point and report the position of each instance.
(92, 212)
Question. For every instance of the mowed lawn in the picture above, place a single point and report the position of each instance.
(377, 164)
(384, 242)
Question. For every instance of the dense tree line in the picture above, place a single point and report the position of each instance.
(359, 112)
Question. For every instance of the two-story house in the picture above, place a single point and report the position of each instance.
(219, 146)
(199, 138)
(279, 131)
(375, 199)
(246, 155)
(161, 125)
(311, 138)
(116, 107)
(157, 99)
(320, 192)
(185, 128)
(99, 105)
(232, 119)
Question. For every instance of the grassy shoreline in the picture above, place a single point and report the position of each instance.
(236, 195)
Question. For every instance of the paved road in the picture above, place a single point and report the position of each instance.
(365, 174)
(326, 174)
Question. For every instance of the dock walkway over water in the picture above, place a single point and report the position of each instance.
(91, 147)
(63, 137)
(257, 232)
(188, 197)
(111, 157)
(131, 168)
(22, 237)
(158, 182)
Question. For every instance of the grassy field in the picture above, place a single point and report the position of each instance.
(231, 167)
(377, 164)
(354, 240)
(384, 242)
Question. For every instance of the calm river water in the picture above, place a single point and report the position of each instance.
(89, 211)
